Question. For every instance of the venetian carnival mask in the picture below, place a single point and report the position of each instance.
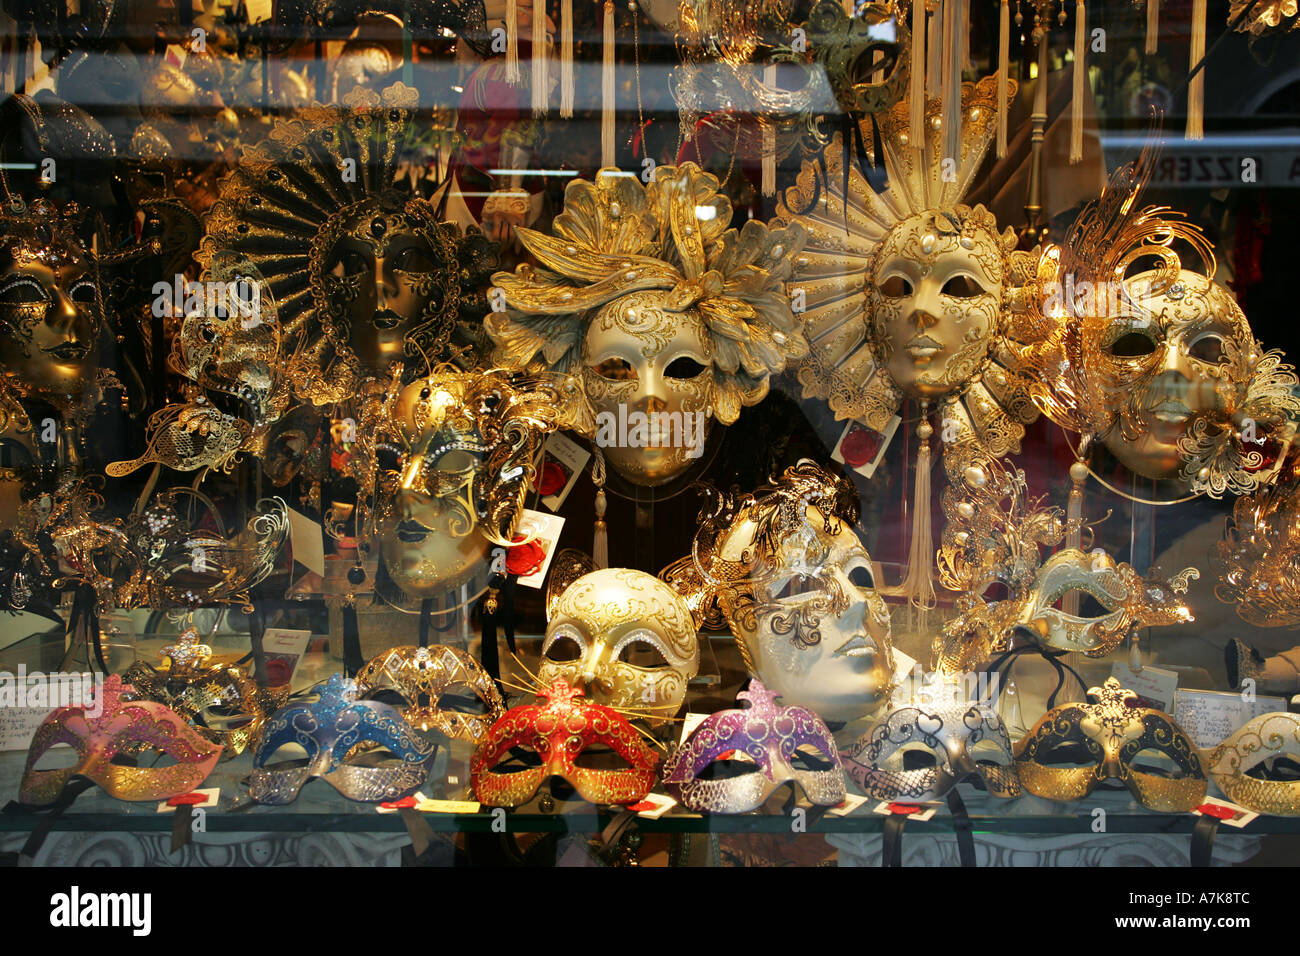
(50, 315)
(104, 739)
(735, 759)
(220, 701)
(363, 749)
(625, 638)
(563, 735)
(1076, 747)
(1259, 765)
(1161, 366)
(453, 456)
(1260, 552)
(670, 317)
(921, 751)
(793, 582)
(441, 688)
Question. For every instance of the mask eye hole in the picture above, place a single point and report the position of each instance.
(389, 458)
(861, 578)
(289, 756)
(615, 370)
(413, 259)
(683, 367)
(792, 77)
(795, 586)
(895, 287)
(1150, 760)
(642, 654)
(83, 292)
(728, 765)
(58, 758)
(350, 263)
(371, 756)
(462, 699)
(1132, 345)
(599, 756)
(863, 70)
(1280, 769)
(989, 751)
(962, 287)
(517, 759)
(1208, 348)
(23, 291)
(811, 759)
(919, 757)
(1067, 754)
(1089, 606)
(564, 650)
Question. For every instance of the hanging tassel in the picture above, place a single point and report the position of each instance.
(600, 534)
(963, 37)
(916, 116)
(951, 81)
(1074, 524)
(1196, 90)
(934, 54)
(1080, 75)
(769, 138)
(607, 95)
(541, 61)
(918, 586)
(512, 43)
(1004, 73)
(1153, 25)
(566, 59)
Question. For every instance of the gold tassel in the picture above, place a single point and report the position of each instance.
(541, 61)
(918, 586)
(607, 96)
(1196, 91)
(1074, 523)
(600, 533)
(916, 117)
(951, 81)
(1153, 25)
(1080, 75)
(512, 43)
(934, 55)
(769, 137)
(1004, 73)
(963, 37)
(566, 59)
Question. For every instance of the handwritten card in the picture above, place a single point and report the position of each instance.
(1210, 717)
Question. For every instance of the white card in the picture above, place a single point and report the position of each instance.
(210, 798)
(1209, 717)
(689, 723)
(285, 645)
(26, 699)
(926, 812)
(1154, 684)
(543, 530)
(1240, 815)
(564, 458)
(308, 540)
(851, 803)
(661, 804)
(863, 448)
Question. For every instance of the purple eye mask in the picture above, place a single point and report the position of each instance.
(770, 736)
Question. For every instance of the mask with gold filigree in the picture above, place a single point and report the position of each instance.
(439, 688)
(1259, 556)
(786, 572)
(219, 700)
(1258, 766)
(1159, 364)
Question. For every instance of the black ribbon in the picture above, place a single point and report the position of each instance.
(256, 631)
(352, 660)
(962, 827)
(1008, 659)
(182, 826)
(83, 625)
(892, 851)
(503, 617)
(1207, 828)
(75, 787)
(426, 609)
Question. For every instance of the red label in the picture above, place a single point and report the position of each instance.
(860, 446)
(524, 559)
(187, 799)
(403, 804)
(1216, 811)
(552, 479)
(904, 809)
(641, 807)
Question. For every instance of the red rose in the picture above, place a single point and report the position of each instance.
(859, 446)
(277, 672)
(524, 559)
(551, 480)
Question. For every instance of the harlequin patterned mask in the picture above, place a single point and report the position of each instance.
(535, 741)
(786, 572)
(363, 749)
(442, 689)
(668, 316)
(785, 744)
(921, 752)
(122, 727)
(1160, 366)
(625, 638)
(220, 701)
(1239, 764)
(1076, 747)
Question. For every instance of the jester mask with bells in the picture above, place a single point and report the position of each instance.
(625, 638)
(1160, 365)
(910, 294)
(784, 569)
(445, 464)
(992, 537)
(1259, 555)
(669, 317)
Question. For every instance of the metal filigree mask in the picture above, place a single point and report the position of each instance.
(121, 727)
(533, 742)
(794, 584)
(363, 749)
(864, 55)
(1260, 553)
(625, 638)
(441, 688)
(1240, 766)
(1076, 747)
(920, 752)
(735, 759)
(50, 316)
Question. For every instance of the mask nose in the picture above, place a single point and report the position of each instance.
(962, 763)
(64, 315)
(385, 286)
(922, 319)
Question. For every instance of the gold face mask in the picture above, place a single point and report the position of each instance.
(1076, 747)
(50, 325)
(1240, 765)
(625, 638)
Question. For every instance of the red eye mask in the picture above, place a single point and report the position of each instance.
(122, 727)
(559, 729)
